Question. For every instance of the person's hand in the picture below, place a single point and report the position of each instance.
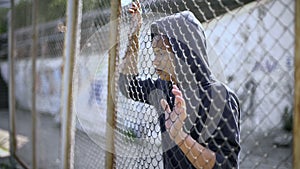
(174, 120)
(137, 20)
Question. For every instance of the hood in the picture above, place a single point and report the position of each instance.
(194, 77)
(187, 38)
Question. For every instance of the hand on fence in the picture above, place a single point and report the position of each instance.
(137, 20)
(174, 120)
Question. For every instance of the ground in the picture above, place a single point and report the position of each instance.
(262, 150)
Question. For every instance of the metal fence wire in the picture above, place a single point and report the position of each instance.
(197, 84)
(37, 54)
(249, 47)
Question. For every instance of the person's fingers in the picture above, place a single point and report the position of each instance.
(131, 10)
(165, 105)
(138, 4)
(180, 107)
(179, 101)
(134, 10)
(134, 5)
(176, 91)
(166, 108)
(168, 124)
(175, 87)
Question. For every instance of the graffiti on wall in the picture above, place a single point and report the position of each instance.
(267, 66)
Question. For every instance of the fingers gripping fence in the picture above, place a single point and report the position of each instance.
(197, 84)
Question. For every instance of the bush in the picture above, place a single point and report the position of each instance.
(4, 166)
(288, 119)
(3, 20)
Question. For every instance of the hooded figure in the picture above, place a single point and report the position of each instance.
(212, 109)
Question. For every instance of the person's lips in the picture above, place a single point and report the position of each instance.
(158, 71)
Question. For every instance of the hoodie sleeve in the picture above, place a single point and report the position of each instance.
(227, 155)
(146, 91)
(135, 89)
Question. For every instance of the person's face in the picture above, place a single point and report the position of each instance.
(164, 56)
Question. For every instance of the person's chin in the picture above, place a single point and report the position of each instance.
(162, 75)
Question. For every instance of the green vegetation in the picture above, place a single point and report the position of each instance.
(48, 10)
(4, 166)
(130, 135)
(3, 20)
(288, 119)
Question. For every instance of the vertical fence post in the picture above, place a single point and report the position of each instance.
(34, 54)
(71, 50)
(296, 125)
(12, 110)
(113, 55)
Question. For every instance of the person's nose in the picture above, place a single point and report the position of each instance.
(154, 61)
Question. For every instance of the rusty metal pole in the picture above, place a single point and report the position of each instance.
(34, 54)
(12, 102)
(296, 119)
(113, 55)
(71, 50)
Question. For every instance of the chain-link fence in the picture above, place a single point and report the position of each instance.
(38, 36)
(232, 62)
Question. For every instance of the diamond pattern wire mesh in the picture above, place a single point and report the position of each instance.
(48, 75)
(250, 48)
(255, 46)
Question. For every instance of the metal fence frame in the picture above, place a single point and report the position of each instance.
(113, 62)
(12, 111)
(296, 127)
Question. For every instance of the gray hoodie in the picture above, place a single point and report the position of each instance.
(213, 109)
